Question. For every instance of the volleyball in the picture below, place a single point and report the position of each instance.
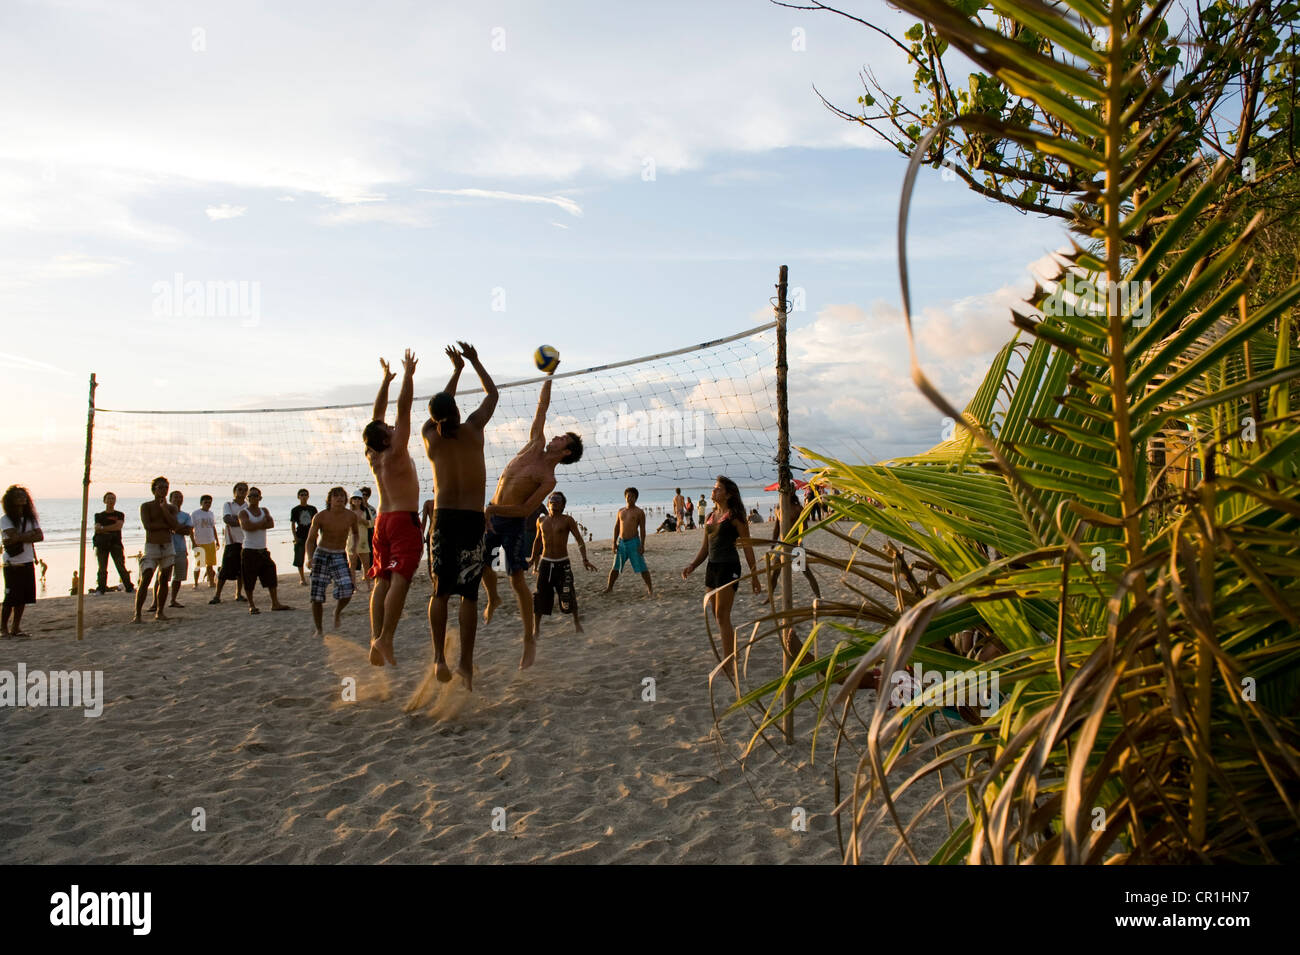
(546, 358)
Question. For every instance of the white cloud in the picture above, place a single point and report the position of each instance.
(225, 212)
(568, 205)
(18, 273)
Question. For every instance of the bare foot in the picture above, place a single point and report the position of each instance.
(467, 676)
(442, 671)
(318, 634)
(577, 628)
(530, 654)
(489, 610)
(175, 604)
(151, 608)
(385, 649)
(376, 658)
(282, 607)
(161, 616)
(136, 619)
(337, 623)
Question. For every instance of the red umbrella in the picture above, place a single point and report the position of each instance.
(798, 485)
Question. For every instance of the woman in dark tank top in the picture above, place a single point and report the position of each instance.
(725, 525)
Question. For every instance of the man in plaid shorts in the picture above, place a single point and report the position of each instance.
(328, 560)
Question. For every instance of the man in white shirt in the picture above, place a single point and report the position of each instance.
(257, 565)
(205, 540)
(231, 560)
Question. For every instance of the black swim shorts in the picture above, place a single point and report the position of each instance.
(456, 552)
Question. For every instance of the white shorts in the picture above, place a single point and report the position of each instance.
(158, 556)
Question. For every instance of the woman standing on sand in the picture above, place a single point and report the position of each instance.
(359, 552)
(725, 525)
(20, 530)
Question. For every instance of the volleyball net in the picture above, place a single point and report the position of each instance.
(685, 415)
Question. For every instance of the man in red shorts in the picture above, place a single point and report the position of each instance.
(398, 543)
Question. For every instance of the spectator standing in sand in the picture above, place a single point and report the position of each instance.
(455, 449)
(396, 541)
(159, 520)
(371, 513)
(108, 543)
(328, 561)
(551, 552)
(359, 546)
(300, 520)
(703, 507)
(679, 510)
(20, 529)
(232, 561)
(180, 545)
(629, 541)
(524, 484)
(205, 541)
(256, 564)
(725, 525)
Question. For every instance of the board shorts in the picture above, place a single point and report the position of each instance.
(718, 573)
(181, 566)
(299, 551)
(257, 567)
(20, 584)
(511, 534)
(231, 562)
(555, 577)
(397, 545)
(327, 565)
(158, 556)
(209, 552)
(629, 552)
(456, 552)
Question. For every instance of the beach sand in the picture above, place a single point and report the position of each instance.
(240, 720)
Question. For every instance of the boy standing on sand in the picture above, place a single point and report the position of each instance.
(551, 550)
(329, 560)
(205, 540)
(256, 564)
(629, 541)
(160, 523)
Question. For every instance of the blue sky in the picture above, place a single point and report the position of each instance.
(385, 174)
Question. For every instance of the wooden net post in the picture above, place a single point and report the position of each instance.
(786, 491)
(85, 507)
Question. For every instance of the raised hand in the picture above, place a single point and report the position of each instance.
(388, 372)
(408, 363)
(469, 351)
(457, 361)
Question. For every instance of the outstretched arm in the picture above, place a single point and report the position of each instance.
(539, 419)
(381, 399)
(457, 363)
(402, 430)
(484, 411)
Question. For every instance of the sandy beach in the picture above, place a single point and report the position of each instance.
(244, 719)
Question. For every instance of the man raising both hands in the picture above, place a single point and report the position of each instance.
(397, 534)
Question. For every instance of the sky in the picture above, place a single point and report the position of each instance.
(613, 180)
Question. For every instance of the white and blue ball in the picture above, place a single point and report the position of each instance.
(547, 359)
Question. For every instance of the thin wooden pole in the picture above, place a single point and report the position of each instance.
(785, 490)
(85, 507)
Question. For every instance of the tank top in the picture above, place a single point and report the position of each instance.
(722, 539)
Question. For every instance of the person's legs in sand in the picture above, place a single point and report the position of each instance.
(721, 603)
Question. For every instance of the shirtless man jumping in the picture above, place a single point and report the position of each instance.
(397, 533)
(455, 449)
(524, 484)
(329, 560)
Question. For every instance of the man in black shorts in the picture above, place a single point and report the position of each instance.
(455, 449)
(232, 557)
